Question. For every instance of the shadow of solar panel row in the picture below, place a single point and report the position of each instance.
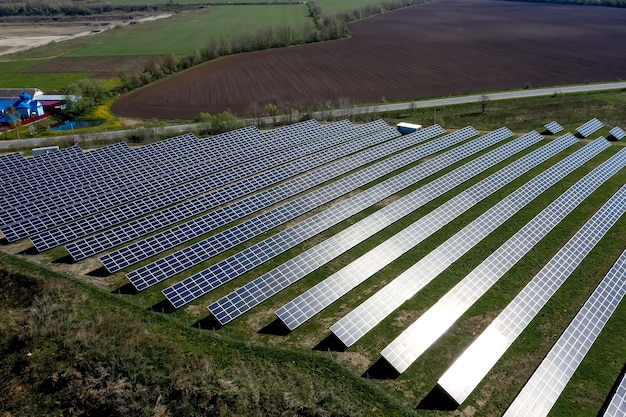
(117, 215)
(216, 275)
(167, 178)
(553, 127)
(617, 405)
(175, 214)
(548, 381)
(161, 269)
(252, 294)
(618, 133)
(587, 129)
(313, 301)
(99, 164)
(145, 173)
(368, 314)
(472, 366)
(418, 337)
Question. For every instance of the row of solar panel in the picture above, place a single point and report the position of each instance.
(77, 210)
(203, 250)
(176, 167)
(351, 141)
(215, 148)
(203, 202)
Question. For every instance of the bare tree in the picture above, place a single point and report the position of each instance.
(256, 111)
(484, 103)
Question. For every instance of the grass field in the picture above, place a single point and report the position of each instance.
(184, 33)
(12, 77)
(340, 6)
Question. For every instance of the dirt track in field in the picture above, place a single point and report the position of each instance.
(440, 48)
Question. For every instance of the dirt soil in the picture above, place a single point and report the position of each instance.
(440, 48)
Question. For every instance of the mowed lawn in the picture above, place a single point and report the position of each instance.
(184, 33)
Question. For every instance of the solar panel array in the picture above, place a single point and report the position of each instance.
(182, 233)
(269, 170)
(471, 367)
(166, 170)
(587, 129)
(420, 335)
(302, 308)
(553, 128)
(257, 291)
(617, 132)
(617, 405)
(11, 162)
(371, 312)
(218, 274)
(168, 266)
(173, 192)
(548, 381)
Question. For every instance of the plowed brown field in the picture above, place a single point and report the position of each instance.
(440, 48)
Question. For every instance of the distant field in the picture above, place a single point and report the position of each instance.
(436, 49)
(12, 76)
(184, 33)
(339, 6)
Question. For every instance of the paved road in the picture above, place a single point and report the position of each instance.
(439, 102)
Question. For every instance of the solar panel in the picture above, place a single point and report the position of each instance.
(548, 381)
(135, 187)
(371, 312)
(191, 229)
(93, 192)
(80, 171)
(203, 282)
(303, 307)
(235, 304)
(617, 406)
(11, 162)
(587, 129)
(553, 128)
(420, 335)
(617, 133)
(203, 202)
(470, 368)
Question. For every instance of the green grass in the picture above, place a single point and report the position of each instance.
(186, 32)
(70, 348)
(570, 110)
(340, 6)
(14, 77)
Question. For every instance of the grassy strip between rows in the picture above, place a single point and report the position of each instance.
(68, 349)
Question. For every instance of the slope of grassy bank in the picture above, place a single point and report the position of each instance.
(69, 349)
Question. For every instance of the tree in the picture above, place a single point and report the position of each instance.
(272, 111)
(484, 103)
